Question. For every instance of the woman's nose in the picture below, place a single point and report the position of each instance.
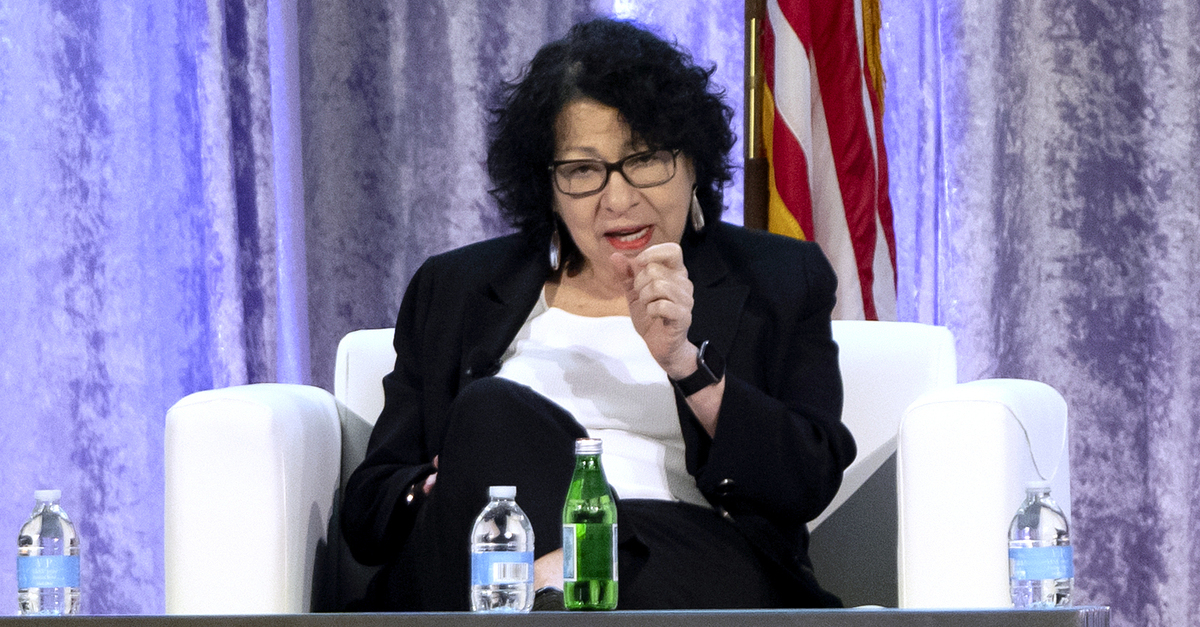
(619, 195)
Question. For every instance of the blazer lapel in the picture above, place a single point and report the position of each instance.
(494, 313)
(718, 295)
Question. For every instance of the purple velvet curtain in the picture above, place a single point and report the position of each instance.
(138, 246)
(1045, 162)
(196, 196)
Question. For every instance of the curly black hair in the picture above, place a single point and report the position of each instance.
(668, 101)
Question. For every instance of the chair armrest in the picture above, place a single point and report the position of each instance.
(963, 457)
(251, 478)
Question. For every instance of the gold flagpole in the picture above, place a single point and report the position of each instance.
(755, 193)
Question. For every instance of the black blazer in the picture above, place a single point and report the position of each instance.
(763, 301)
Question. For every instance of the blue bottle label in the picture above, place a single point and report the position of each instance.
(569, 553)
(501, 567)
(1046, 562)
(47, 571)
(614, 552)
(570, 545)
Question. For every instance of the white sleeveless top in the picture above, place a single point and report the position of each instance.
(600, 370)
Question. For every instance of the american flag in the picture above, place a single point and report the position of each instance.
(823, 136)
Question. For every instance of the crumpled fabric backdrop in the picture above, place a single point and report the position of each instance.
(197, 196)
(138, 262)
(1045, 161)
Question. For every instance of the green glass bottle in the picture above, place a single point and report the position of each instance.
(589, 534)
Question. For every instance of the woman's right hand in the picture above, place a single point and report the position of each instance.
(660, 304)
(431, 479)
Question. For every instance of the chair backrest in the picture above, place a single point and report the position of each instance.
(363, 358)
(885, 366)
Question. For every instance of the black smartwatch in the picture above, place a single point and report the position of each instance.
(709, 370)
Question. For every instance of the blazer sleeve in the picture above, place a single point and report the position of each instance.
(780, 446)
(375, 518)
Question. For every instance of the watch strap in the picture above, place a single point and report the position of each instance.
(710, 367)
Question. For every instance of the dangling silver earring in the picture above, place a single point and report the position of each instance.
(697, 213)
(555, 248)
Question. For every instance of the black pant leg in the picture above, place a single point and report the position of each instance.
(688, 557)
(500, 433)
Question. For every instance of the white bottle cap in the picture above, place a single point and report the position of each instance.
(503, 492)
(1037, 485)
(47, 495)
(588, 446)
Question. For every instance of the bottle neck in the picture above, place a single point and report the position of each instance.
(587, 461)
(49, 509)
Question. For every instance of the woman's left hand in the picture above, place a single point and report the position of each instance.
(660, 304)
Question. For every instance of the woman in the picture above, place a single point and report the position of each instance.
(622, 308)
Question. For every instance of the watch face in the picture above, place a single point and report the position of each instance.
(712, 362)
(709, 370)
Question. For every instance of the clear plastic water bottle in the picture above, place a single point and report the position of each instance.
(48, 560)
(1040, 561)
(502, 555)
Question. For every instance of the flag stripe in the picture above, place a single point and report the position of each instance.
(791, 90)
(853, 152)
(873, 102)
(830, 220)
(883, 203)
(798, 16)
(780, 219)
(787, 134)
(885, 276)
(788, 177)
(822, 128)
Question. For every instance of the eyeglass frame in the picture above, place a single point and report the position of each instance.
(610, 167)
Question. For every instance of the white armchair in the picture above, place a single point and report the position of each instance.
(965, 453)
(254, 476)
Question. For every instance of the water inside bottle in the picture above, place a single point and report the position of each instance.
(48, 563)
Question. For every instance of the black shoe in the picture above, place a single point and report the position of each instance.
(548, 599)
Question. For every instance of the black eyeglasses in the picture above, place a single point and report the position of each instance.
(583, 177)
